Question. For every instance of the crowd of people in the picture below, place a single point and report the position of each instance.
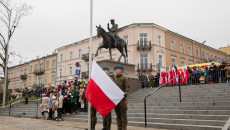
(63, 99)
(188, 75)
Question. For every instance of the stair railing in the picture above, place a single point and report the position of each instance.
(156, 91)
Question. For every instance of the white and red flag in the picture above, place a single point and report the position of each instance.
(102, 92)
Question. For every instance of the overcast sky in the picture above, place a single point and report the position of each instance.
(55, 23)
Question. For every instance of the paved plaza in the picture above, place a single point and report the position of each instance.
(17, 123)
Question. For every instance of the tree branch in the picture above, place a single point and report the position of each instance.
(3, 38)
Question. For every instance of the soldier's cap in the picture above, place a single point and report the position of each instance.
(105, 68)
(112, 20)
(110, 72)
(118, 67)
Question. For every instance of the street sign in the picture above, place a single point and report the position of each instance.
(78, 72)
(77, 64)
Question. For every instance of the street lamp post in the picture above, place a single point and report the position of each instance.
(6, 55)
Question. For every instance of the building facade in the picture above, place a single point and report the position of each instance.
(18, 78)
(40, 72)
(225, 49)
(181, 51)
(150, 48)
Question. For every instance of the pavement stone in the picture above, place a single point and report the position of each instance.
(16, 123)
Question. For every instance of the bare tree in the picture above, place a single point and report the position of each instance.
(10, 18)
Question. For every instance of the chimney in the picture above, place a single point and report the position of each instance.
(20, 62)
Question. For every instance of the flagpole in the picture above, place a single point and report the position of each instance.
(90, 58)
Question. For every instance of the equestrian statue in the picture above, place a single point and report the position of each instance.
(112, 40)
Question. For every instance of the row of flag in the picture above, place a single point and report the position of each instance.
(167, 76)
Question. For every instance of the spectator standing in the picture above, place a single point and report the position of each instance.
(74, 96)
(26, 95)
(151, 80)
(223, 69)
(81, 100)
(59, 104)
(50, 106)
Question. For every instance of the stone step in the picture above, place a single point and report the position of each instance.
(163, 115)
(160, 120)
(158, 125)
(221, 103)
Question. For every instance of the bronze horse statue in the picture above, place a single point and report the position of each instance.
(109, 43)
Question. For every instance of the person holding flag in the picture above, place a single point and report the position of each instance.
(108, 119)
(105, 95)
(121, 109)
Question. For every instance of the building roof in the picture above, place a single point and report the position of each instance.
(32, 61)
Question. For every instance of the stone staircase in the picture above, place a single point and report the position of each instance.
(20, 109)
(203, 107)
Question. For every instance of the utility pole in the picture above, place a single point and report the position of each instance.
(6, 55)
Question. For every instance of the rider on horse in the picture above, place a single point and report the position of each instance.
(113, 32)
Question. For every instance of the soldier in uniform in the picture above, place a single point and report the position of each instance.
(121, 108)
(107, 120)
(113, 32)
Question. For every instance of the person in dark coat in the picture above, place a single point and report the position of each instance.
(26, 95)
(151, 80)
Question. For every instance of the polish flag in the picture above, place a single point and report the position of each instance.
(102, 92)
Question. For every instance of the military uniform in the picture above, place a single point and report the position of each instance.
(106, 121)
(121, 108)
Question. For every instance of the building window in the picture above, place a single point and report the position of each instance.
(21, 72)
(160, 60)
(71, 55)
(47, 65)
(197, 53)
(31, 68)
(60, 72)
(190, 51)
(215, 59)
(182, 62)
(79, 53)
(53, 78)
(222, 59)
(203, 55)
(159, 40)
(100, 50)
(53, 64)
(219, 60)
(20, 84)
(211, 57)
(29, 81)
(144, 61)
(173, 61)
(70, 70)
(172, 45)
(61, 57)
(190, 62)
(35, 80)
(181, 48)
(126, 39)
(18, 74)
(207, 57)
(143, 39)
(46, 80)
(127, 59)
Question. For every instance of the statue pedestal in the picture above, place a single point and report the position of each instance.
(129, 72)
